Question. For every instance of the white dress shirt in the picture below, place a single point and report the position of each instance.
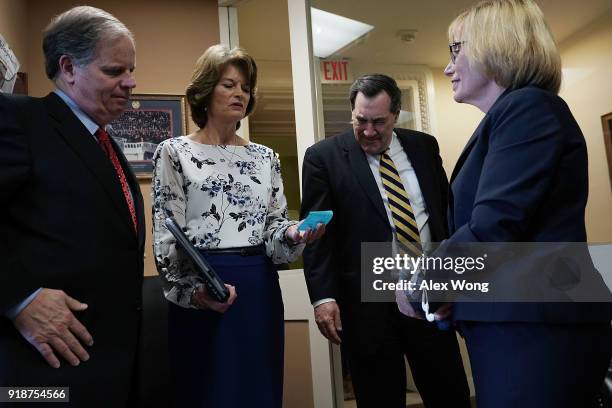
(411, 185)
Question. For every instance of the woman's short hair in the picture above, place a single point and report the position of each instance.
(510, 40)
(76, 33)
(206, 76)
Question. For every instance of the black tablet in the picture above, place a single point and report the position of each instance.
(214, 284)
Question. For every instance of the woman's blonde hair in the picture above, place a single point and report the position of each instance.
(510, 40)
(206, 76)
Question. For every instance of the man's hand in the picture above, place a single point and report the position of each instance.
(405, 307)
(327, 316)
(202, 300)
(49, 325)
(444, 312)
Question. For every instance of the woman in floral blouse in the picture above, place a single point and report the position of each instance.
(227, 194)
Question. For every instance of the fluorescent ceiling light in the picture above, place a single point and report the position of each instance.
(331, 32)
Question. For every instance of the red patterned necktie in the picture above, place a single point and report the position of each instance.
(107, 147)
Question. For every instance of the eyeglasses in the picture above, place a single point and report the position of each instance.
(455, 48)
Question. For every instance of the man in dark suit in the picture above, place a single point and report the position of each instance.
(343, 174)
(72, 231)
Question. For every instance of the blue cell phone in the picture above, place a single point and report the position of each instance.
(314, 218)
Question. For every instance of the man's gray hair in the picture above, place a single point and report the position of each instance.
(76, 33)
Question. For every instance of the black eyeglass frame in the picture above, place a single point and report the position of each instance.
(455, 49)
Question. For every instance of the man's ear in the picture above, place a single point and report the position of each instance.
(67, 69)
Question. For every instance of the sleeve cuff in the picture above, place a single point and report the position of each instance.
(15, 310)
(321, 301)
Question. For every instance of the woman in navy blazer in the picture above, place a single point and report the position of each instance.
(522, 177)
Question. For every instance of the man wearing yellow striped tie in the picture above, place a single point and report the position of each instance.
(384, 184)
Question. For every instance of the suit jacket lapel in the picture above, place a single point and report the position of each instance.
(470, 144)
(84, 145)
(361, 169)
(422, 168)
(466, 151)
(462, 157)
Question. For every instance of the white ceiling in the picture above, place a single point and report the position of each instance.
(264, 27)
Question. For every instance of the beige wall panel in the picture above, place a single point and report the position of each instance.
(149, 262)
(587, 89)
(13, 19)
(297, 388)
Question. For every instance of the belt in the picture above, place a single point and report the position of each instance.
(243, 251)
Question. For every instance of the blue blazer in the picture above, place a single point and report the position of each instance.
(523, 177)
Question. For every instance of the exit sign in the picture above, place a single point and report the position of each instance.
(335, 72)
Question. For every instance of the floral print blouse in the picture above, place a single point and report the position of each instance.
(223, 197)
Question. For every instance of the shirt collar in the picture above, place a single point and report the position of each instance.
(393, 146)
(91, 126)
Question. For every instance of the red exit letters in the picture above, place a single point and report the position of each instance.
(334, 70)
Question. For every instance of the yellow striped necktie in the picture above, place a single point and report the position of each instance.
(406, 229)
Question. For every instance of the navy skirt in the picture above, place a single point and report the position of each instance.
(233, 359)
(537, 365)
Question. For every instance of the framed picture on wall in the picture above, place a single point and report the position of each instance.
(606, 122)
(149, 120)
